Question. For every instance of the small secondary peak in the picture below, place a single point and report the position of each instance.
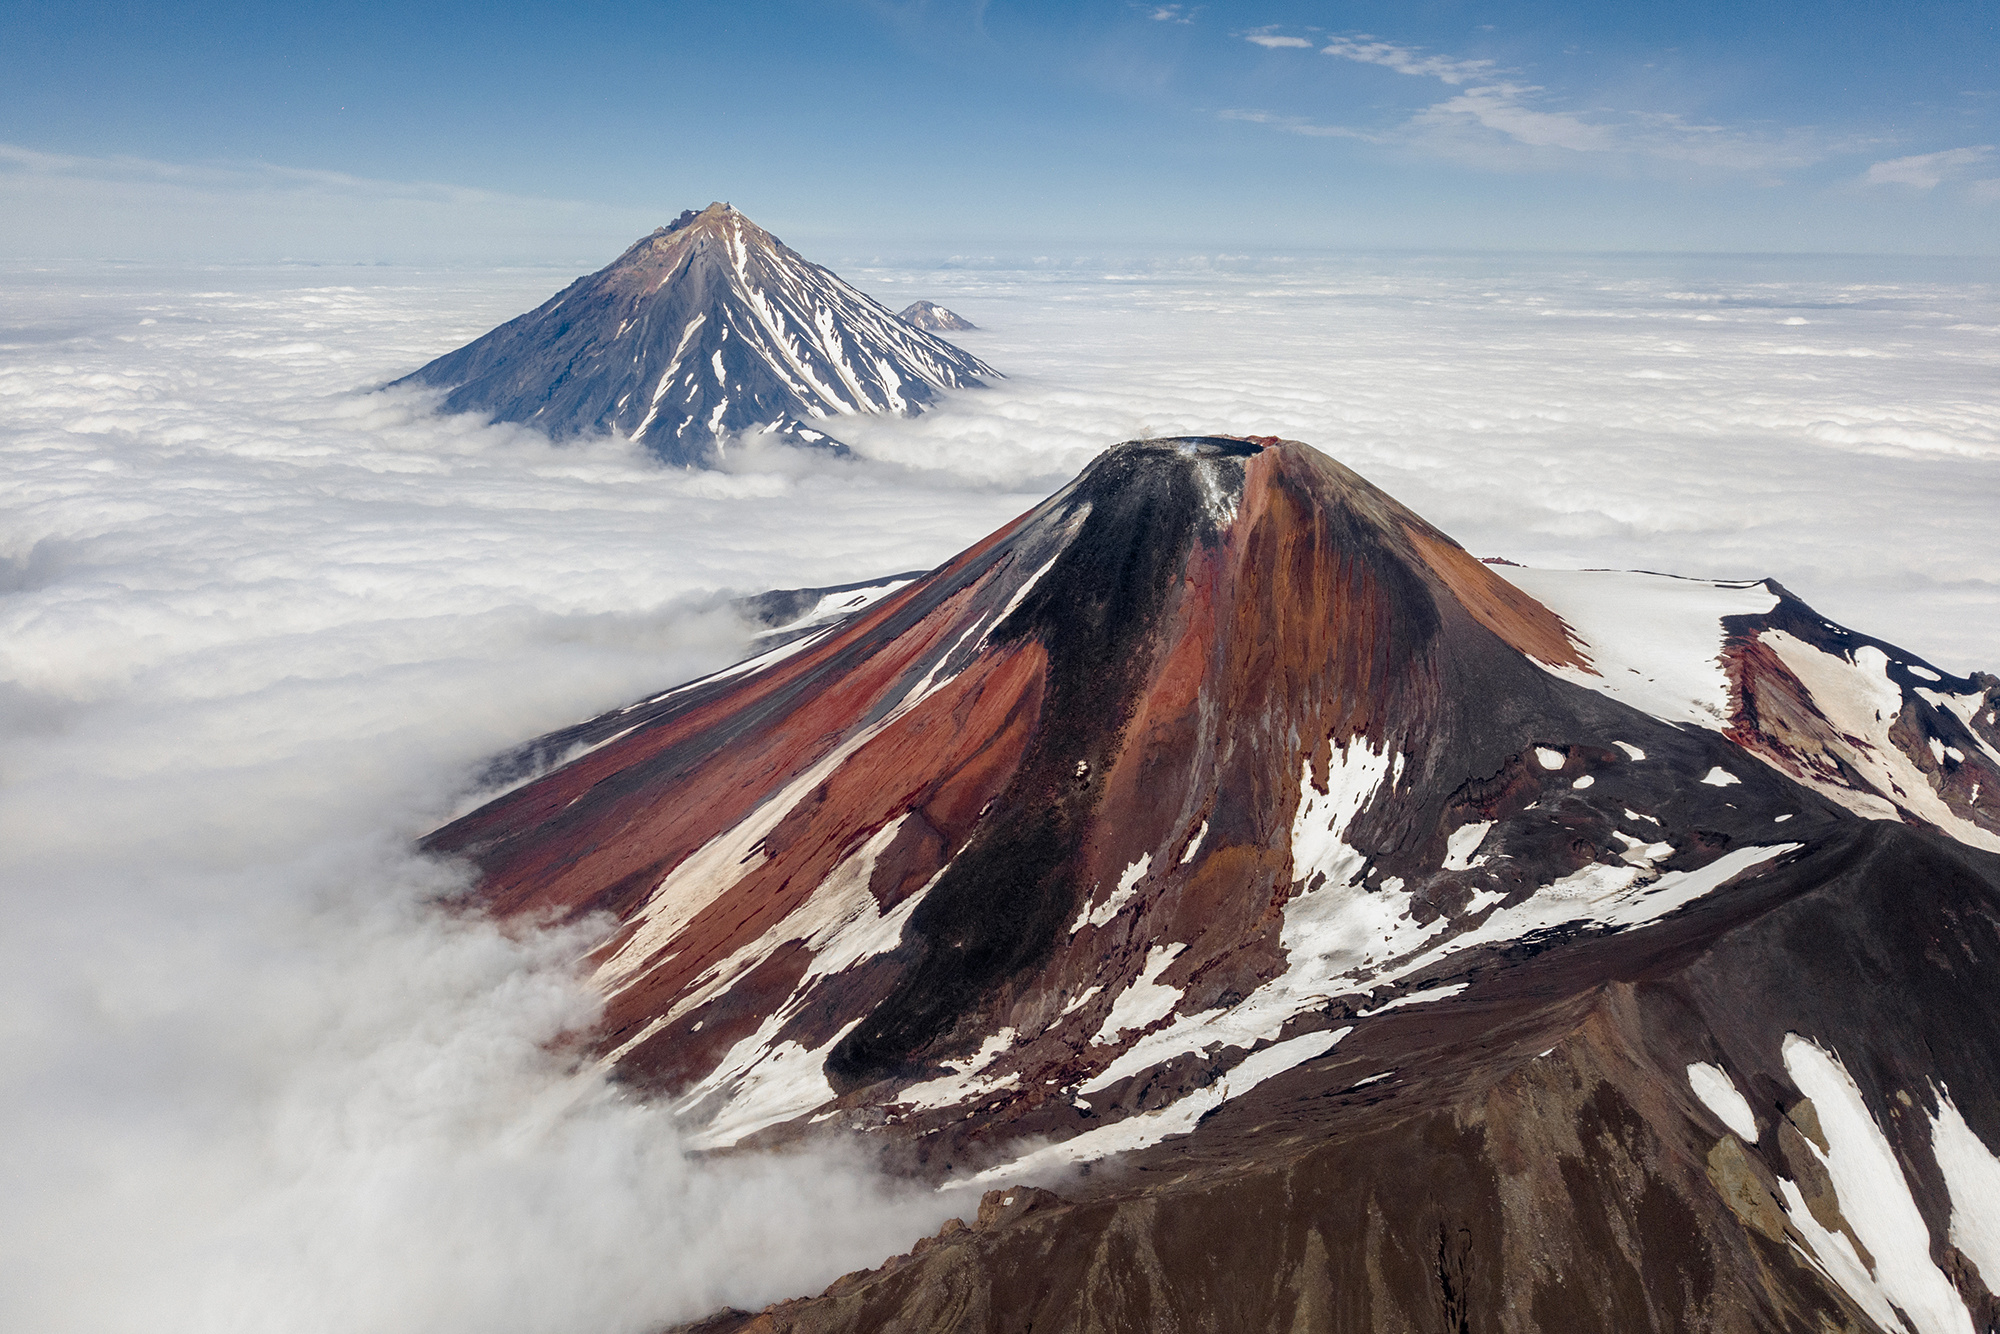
(930, 315)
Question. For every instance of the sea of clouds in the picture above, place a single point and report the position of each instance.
(259, 624)
(1831, 423)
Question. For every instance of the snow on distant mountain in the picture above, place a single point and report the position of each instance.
(1447, 946)
(707, 330)
(929, 315)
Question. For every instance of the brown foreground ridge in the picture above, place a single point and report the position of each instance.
(1292, 923)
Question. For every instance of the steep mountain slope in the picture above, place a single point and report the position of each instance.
(707, 329)
(1222, 830)
(1736, 1120)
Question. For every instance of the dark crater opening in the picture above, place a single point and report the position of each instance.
(1209, 446)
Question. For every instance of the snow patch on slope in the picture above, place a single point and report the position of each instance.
(1655, 640)
(1717, 1092)
(1875, 1200)
(1972, 1175)
(1146, 1000)
(965, 1080)
(1342, 942)
(1462, 842)
(717, 866)
(1964, 708)
(1128, 885)
(839, 922)
(766, 1084)
(1143, 1131)
(1354, 774)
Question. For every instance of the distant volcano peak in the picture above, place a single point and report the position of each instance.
(705, 330)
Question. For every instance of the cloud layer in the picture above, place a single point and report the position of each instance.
(255, 630)
(1830, 423)
(257, 626)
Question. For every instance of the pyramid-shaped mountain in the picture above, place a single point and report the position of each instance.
(1349, 939)
(710, 329)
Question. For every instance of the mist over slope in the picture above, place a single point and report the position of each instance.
(255, 635)
(257, 627)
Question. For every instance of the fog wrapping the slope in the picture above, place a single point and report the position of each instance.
(258, 628)
(256, 633)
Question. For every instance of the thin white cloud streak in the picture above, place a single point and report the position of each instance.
(1295, 125)
(1517, 119)
(1407, 60)
(1275, 41)
(254, 627)
(1503, 108)
(1502, 124)
(1927, 171)
(64, 205)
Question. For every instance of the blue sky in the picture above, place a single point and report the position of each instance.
(555, 131)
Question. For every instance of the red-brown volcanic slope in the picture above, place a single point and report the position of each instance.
(1223, 831)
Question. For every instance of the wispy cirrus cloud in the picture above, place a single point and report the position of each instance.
(1273, 40)
(1170, 13)
(1506, 109)
(1499, 120)
(1927, 171)
(1523, 122)
(1296, 125)
(1367, 50)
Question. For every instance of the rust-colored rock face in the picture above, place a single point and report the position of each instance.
(1224, 846)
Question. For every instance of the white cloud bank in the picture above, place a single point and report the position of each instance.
(1834, 424)
(254, 631)
(255, 627)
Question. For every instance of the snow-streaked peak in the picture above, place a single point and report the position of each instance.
(706, 331)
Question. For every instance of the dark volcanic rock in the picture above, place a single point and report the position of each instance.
(929, 315)
(1536, 1159)
(1223, 846)
(708, 329)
